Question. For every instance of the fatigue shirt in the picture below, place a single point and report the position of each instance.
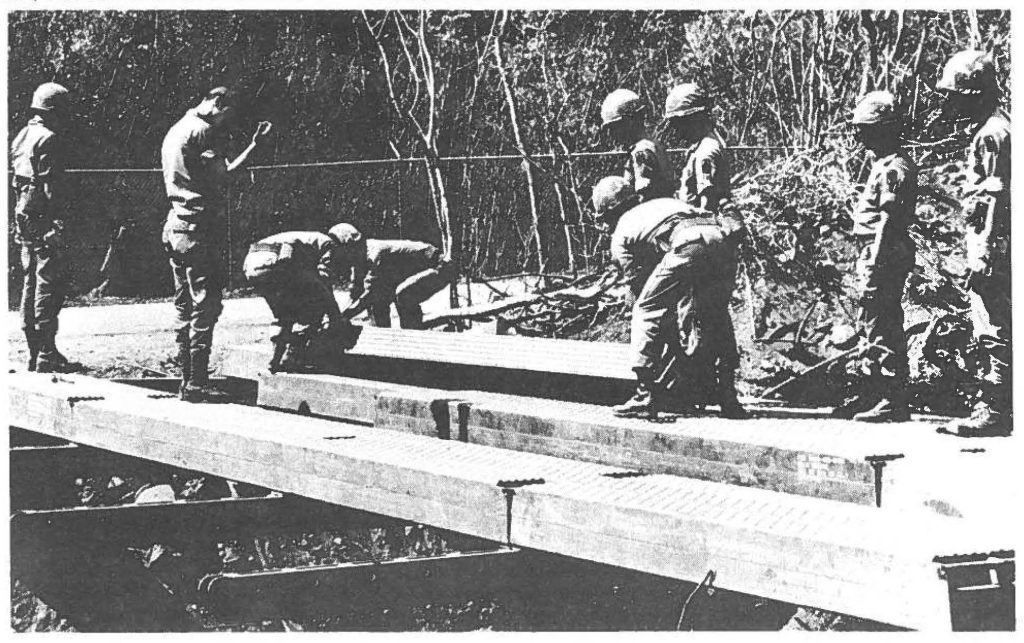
(988, 157)
(37, 167)
(708, 171)
(649, 170)
(193, 172)
(306, 250)
(389, 262)
(891, 189)
(645, 233)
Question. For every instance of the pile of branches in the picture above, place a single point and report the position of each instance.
(579, 310)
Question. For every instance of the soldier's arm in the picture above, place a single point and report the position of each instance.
(261, 131)
(709, 167)
(366, 287)
(49, 166)
(644, 169)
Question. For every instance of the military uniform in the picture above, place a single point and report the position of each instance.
(37, 163)
(650, 171)
(665, 251)
(194, 173)
(405, 272)
(990, 288)
(886, 258)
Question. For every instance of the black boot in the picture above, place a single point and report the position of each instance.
(198, 388)
(184, 359)
(729, 404)
(50, 360)
(641, 404)
(32, 338)
(293, 360)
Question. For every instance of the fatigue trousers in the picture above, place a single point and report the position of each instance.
(667, 307)
(44, 289)
(198, 294)
(990, 301)
(295, 297)
(408, 295)
(881, 317)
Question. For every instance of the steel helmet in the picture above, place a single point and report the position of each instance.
(345, 234)
(968, 72)
(875, 108)
(50, 96)
(620, 104)
(686, 99)
(609, 193)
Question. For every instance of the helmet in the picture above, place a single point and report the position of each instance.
(345, 234)
(686, 99)
(50, 96)
(618, 105)
(875, 108)
(968, 72)
(609, 193)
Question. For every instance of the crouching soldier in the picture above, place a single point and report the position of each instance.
(969, 82)
(881, 219)
(666, 253)
(648, 170)
(294, 272)
(705, 183)
(37, 170)
(385, 271)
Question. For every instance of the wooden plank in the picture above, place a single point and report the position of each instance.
(836, 556)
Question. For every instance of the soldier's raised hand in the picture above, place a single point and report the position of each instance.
(262, 129)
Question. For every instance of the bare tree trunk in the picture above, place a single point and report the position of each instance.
(527, 167)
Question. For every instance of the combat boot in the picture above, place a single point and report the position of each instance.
(854, 404)
(293, 360)
(886, 410)
(32, 338)
(198, 388)
(985, 421)
(50, 360)
(729, 405)
(640, 405)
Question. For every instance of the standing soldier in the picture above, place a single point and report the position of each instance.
(881, 220)
(648, 169)
(195, 170)
(664, 249)
(384, 271)
(969, 82)
(37, 171)
(706, 184)
(294, 272)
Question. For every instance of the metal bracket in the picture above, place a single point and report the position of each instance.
(878, 463)
(508, 487)
(84, 398)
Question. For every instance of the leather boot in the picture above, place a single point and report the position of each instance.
(986, 420)
(198, 388)
(49, 358)
(729, 405)
(294, 358)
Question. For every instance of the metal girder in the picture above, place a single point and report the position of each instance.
(181, 522)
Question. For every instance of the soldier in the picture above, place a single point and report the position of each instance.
(969, 82)
(706, 184)
(294, 273)
(664, 249)
(37, 171)
(195, 170)
(881, 220)
(648, 168)
(384, 271)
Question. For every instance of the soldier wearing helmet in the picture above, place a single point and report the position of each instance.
(294, 272)
(705, 183)
(881, 220)
(195, 170)
(382, 271)
(969, 82)
(665, 250)
(648, 168)
(37, 171)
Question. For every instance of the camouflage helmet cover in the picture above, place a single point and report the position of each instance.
(618, 105)
(686, 99)
(49, 96)
(968, 72)
(875, 108)
(610, 193)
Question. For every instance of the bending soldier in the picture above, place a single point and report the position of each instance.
(664, 249)
(195, 170)
(881, 219)
(706, 184)
(294, 273)
(969, 82)
(648, 169)
(37, 171)
(385, 271)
